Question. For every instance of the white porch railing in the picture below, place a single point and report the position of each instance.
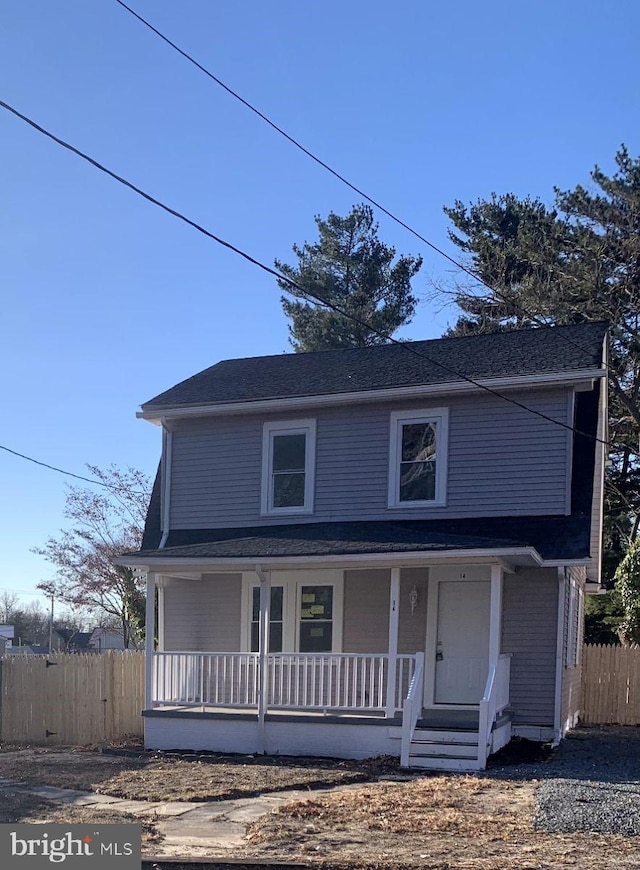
(494, 701)
(311, 681)
(412, 707)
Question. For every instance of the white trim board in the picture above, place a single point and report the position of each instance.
(581, 380)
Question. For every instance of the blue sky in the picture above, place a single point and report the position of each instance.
(106, 301)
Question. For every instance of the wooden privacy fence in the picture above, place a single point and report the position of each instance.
(610, 685)
(71, 699)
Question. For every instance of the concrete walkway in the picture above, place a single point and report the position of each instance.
(194, 829)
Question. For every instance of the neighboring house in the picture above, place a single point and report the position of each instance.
(78, 642)
(7, 633)
(61, 639)
(28, 649)
(6, 637)
(106, 638)
(371, 551)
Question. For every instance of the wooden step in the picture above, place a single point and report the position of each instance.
(444, 762)
(454, 750)
(445, 734)
(431, 735)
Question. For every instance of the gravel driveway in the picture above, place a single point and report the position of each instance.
(590, 783)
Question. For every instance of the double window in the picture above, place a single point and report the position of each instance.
(574, 605)
(418, 458)
(305, 612)
(288, 460)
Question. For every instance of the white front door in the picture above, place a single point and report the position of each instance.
(462, 641)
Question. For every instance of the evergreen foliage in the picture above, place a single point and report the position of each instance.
(350, 268)
(627, 585)
(577, 260)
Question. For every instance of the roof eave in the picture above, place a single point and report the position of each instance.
(511, 556)
(579, 379)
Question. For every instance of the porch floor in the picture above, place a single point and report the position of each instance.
(441, 719)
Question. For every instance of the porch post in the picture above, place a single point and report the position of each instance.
(394, 616)
(263, 647)
(160, 629)
(149, 636)
(495, 619)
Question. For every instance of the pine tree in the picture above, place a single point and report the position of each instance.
(348, 267)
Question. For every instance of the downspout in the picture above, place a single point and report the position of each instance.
(263, 652)
(167, 451)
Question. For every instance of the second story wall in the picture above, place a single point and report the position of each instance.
(502, 461)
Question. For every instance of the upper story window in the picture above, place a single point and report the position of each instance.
(418, 458)
(288, 459)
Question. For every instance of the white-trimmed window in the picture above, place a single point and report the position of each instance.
(418, 458)
(575, 618)
(288, 462)
(305, 613)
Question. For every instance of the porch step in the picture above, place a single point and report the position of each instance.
(450, 735)
(423, 749)
(444, 749)
(444, 762)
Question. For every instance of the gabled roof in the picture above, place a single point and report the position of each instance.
(549, 350)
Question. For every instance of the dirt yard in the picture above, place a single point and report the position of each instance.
(440, 822)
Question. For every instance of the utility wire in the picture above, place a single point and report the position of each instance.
(68, 473)
(304, 292)
(533, 317)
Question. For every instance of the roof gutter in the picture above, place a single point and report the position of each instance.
(581, 379)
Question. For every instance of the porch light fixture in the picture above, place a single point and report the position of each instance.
(413, 599)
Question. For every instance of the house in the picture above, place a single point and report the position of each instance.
(27, 649)
(376, 550)
(103, 639)
(7, 633)
(77, 641)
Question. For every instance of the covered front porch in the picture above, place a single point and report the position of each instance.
(450, 691)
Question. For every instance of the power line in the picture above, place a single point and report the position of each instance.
(533, 317)
(68, 473)
(24, 592)
(305, 293)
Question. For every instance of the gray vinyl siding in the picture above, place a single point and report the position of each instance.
(412, 630)
(366, 611)
(203, 615)
(501, 460)
(529, 633)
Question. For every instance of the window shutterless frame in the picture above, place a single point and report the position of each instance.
(288, 467)
(418, 448)
(299, 614)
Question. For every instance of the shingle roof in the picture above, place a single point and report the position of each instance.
(553, 537)
(443, 360)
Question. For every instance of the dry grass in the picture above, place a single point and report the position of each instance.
(159, 779)
(434, 821)
(466, 823)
